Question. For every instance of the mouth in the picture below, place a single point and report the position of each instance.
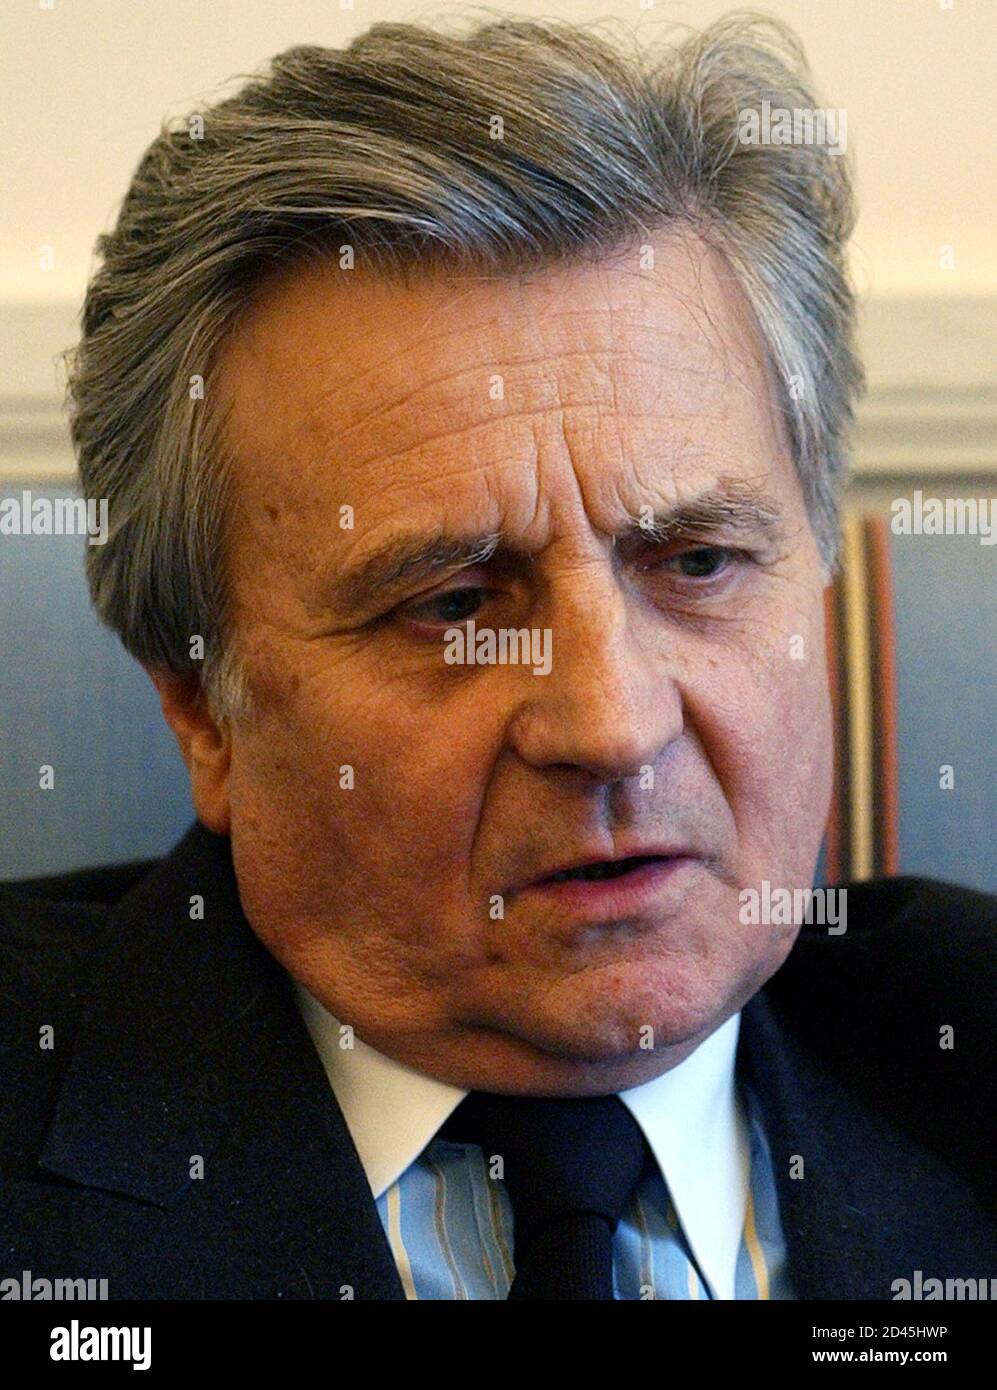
(600, 869)
(603, 891)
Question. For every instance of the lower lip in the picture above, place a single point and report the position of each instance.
(609, 898)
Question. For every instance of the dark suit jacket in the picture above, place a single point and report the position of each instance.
(175, 1038)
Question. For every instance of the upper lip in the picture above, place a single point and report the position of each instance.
(627, 852)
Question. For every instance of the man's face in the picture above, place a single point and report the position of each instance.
(391, 813)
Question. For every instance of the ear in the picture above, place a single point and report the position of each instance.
(204, 745)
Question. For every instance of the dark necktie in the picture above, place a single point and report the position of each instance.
(570, 1167)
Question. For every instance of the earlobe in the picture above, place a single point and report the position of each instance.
(205, 745)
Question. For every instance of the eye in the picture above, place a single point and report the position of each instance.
(453, 607)
(701, 562)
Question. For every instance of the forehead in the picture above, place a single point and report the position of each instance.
(576, 382)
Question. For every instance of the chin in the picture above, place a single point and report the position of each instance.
(600, 1026)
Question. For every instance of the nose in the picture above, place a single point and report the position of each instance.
(610, 704)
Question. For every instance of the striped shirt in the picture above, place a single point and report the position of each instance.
(451, 1233)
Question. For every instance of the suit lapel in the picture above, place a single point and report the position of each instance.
(868, 1204)
(192, 1046)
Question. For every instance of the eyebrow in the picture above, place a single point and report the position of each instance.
(739, 509)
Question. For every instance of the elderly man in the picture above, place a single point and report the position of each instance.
(472, 414)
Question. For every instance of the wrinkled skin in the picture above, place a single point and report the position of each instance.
(622, 390)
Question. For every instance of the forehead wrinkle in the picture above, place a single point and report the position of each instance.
(548, 355)
(556, 389)
(672, 349)
(468, 414)
(547, 297)
(653, 446)
(674, 450)
(671, 355)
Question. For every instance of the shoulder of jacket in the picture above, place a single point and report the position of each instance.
(926, 924)
(918, 903)
(900, 1005)
(101, 885)
(49, 927)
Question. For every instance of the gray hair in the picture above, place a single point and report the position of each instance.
(388, 146)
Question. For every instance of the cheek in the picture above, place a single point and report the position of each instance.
(803, 747)
(803, 736)
(358, 782)
(766, 729)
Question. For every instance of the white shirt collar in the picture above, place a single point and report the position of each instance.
(690, 1116)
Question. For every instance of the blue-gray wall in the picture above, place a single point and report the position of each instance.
(946, 617)
(72, 698)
